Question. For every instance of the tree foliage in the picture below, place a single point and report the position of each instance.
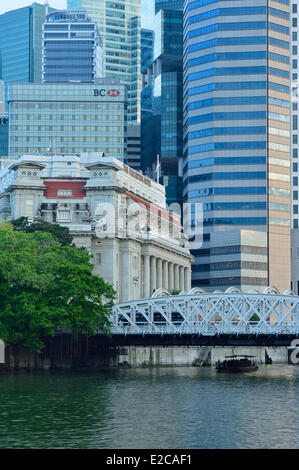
(60, 234)
(45, 286)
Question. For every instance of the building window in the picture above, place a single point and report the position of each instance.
(65, 192)
(64, 215)
(98, 258)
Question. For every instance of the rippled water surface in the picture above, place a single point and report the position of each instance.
(181, 407)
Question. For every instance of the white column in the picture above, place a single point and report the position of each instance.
(146, 277)
(165, 274)
(176, 277)
(187, 288)
(159, 273)
(153, 275)
(170, 277)
(182, 284)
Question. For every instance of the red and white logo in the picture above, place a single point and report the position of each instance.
(113, 92)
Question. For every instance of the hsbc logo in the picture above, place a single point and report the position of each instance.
(103, 92)
(113, 92)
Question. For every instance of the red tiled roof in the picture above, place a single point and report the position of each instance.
(153, 208)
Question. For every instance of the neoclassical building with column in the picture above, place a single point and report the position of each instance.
(116, 213)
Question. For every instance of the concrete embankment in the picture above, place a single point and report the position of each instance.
(65, 353)
(136, 356)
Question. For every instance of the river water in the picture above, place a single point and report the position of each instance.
(148, 408)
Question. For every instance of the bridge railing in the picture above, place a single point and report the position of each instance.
(208, 330)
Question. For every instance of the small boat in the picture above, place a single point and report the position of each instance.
(237, 363)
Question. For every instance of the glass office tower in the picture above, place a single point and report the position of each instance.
(21, 44)
(162, 103)
(237, 139)
(72, 48)
(119, 24)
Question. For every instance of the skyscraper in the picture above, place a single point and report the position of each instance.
(119, 24)
(72, 48)
(236, 139)
(21, 44)
(162, 101)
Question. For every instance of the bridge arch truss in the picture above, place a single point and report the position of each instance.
(202, 313)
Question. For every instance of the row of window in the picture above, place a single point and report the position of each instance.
(227, 131)
(234, 206)
(202, 192)
(200, 3)
(227, 146)
(238, 71)
(228, 176)
(226, 161)
(230, 101)
(237, 86)
(238, 249)
(228, 116)
(227, 12)
(239, 41)
(238, 26)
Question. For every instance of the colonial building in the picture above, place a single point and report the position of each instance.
(116, 213)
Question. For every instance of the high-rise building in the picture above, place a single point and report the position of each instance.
(68, 118)
(294, 145)
(72, 48)
(119, 24)
(21, 44)
(168, 5)
(237, 137)
(162, 101)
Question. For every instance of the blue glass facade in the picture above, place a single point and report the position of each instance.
(237, 125)
(72, 48)
(119, 24)
(21, 44)
(162, 102)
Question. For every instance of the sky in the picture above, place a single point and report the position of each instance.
(6, 5)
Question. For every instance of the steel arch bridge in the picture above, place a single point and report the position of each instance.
(209, 314)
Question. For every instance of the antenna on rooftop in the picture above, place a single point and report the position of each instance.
(46, 7)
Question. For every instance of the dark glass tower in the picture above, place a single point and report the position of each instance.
(162, 101)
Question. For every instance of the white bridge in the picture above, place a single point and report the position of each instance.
(219, 313)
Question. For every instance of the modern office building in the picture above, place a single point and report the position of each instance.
(68, 118)
(168, 5)
(119, 24)
(108, 208)
(147, 48)
(133, 147)
(162, 102)
(237, 136)
(72, 48)
(21, 44)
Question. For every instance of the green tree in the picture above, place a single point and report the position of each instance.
(60, 234)
(45, 286)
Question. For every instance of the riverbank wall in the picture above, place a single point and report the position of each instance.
(68, 353)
